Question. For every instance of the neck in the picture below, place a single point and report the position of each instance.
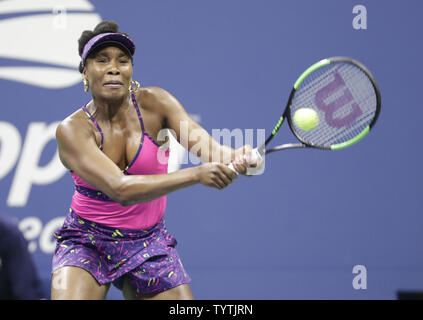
(110, 109)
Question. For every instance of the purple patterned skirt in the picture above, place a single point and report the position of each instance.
(147, 257)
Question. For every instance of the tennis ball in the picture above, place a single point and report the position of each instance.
(306, 118)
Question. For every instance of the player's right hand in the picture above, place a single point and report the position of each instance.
(215, 175)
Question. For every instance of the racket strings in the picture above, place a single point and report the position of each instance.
(344, 99)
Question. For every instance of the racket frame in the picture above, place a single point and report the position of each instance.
(287, 114)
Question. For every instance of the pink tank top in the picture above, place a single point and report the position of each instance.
(96, 206)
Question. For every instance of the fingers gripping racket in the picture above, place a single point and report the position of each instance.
(333, 105)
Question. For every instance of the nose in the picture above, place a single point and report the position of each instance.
(113, 69)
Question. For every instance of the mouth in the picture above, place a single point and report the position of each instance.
(113, 84)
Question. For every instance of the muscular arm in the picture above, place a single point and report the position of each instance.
(188, 133)
(79, 152)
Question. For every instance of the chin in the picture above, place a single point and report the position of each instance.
(114, 94)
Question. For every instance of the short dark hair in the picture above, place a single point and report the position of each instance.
(106, 26)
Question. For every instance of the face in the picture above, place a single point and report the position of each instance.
(109, 73)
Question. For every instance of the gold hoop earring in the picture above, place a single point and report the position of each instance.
(134, 83)
(85, 85)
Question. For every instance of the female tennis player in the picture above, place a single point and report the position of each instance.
(115, 232)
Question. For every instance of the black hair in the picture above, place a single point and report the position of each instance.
(103, 27)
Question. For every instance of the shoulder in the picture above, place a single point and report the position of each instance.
(76, 124)
(158, 99)
(75, 136)
(151, 94)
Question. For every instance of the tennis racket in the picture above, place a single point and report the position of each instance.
(339, 102)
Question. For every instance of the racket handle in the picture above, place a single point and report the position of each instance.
(255, 156)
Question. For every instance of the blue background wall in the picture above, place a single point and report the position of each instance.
(295, 232)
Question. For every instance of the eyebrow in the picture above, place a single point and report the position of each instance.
(105, 54)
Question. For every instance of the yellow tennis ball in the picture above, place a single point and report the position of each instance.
(306, 119)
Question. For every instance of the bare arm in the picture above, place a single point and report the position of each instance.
(79, 152)
(189, 134)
